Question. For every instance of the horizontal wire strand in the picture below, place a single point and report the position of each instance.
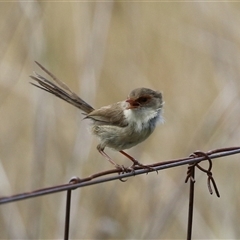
(98, 178)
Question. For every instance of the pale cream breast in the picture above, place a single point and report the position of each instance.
(140, 118)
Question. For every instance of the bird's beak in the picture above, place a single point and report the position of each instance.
(132, 103)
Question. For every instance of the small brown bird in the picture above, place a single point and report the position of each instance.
(119, 126)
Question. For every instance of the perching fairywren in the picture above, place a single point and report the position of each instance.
(119, 126)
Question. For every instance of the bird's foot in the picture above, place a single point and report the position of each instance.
(122, 169)
(137, 163)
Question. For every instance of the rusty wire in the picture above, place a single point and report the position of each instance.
(101, 177)
(191, 177)
(193, 161)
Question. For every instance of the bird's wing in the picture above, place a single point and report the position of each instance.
(109, 115)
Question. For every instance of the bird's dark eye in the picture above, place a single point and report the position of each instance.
(142, 99)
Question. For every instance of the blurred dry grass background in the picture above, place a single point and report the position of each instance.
(189, 51)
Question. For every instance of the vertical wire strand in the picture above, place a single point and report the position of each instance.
(67, 215)
(191, 202)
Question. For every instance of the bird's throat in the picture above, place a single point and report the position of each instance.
(141, 119)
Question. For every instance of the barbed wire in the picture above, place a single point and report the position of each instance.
(100, 177)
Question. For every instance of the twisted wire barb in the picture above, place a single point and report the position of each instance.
(101, 177)
(208, 171)
(191, 177)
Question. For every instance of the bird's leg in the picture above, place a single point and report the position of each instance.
(101, 151)
(136, 162)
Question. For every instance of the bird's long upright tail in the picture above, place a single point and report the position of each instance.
(60, 89)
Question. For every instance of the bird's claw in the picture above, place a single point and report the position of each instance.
(122, 169)
(136, 163)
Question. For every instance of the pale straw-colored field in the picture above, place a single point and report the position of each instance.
(190, 51)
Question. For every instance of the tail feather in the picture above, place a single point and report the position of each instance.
(60, 90)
